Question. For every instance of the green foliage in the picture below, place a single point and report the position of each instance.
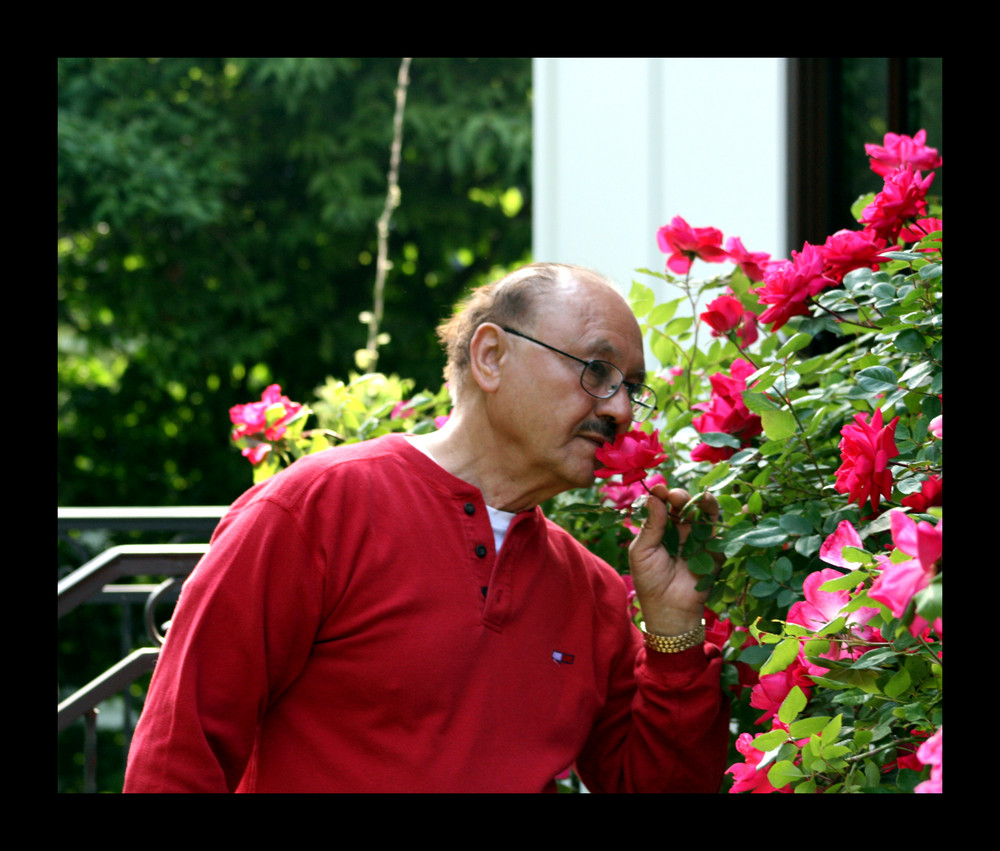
(216, 233)
(863, 699)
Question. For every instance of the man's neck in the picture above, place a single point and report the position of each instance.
(465, 450)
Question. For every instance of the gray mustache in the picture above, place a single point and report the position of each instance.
(602, 427)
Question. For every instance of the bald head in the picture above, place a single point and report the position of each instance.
(517, 299)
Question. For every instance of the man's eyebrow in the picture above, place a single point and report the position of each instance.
(604, 349)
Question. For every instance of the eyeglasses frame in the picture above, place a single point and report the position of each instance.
(629, 386)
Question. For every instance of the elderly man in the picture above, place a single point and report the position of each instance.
(399, 616)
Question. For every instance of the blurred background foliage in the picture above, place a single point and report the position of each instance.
(216, 233)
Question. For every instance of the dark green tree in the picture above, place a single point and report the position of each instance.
(216, 232)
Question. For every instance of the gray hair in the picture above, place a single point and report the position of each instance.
(511, 300)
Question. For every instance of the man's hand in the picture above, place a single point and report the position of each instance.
(664, 586)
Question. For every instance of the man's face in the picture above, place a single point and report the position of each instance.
(552, 420)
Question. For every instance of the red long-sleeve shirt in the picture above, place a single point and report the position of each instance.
(353, 629)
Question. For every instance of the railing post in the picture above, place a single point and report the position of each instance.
(90, 751)
(94, 582)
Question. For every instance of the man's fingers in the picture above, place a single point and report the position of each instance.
(677, 498)
(709, 506)
(653, 526)
(678, 503)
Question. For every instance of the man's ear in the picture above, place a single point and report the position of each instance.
(487, 353)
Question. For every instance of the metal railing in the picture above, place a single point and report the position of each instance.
(97, 581)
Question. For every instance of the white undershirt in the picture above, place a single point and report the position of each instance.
(499, 520)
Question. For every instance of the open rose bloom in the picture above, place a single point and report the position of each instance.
(683, 243)
(630, 456)
(866, 449)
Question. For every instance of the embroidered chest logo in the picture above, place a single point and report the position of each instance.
(561, 658)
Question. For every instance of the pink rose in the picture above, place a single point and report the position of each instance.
(845, 535)
(726, 412)
(255, 454)
(752, 263)
(930, 753)
(820, 607)
(401, 410)
(747, 776)
(901, 199)
(630, 456)
(847, 250)
(772, 689)
(865, 449)
(899, 582)
(622, 496)
(919, 229)
(747, 331)
(930, 494)
(788, 285)
(897, 150)
(252, 418)
(919, 539)
(724, 314)
(683, 243)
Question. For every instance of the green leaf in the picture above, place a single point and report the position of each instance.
(763, 377)
(783, 569)
(679, 325)
(911, 341)
(720, 438)
(798, 341)
(795, 701)
(665, 350)
(874, 659)
(862, 738)
(781, 657)
(877, 379)
(807, 726)
(765, 536)
(778, 425)
(842, 583)
(770, 740)
(928, 601)
(784, 772)
(832, 730)
(931, 270)
(701, 563)
(663, 312)
(717, 472)
(641, 299)
(898, 683)
(795, 524)
(754, 655)
(758, 402)
(856, 555)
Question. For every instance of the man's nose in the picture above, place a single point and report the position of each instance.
(618, 406)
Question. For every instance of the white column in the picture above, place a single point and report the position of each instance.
(621, 146)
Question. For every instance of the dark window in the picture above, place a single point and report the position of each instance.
(835, 107)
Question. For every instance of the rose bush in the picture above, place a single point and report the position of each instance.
(826, 461)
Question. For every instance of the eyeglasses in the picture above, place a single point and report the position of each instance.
(602, 380)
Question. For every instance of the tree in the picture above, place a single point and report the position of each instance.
(217, 232)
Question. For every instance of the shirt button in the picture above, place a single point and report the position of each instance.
(481, 551)
(470, 508)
